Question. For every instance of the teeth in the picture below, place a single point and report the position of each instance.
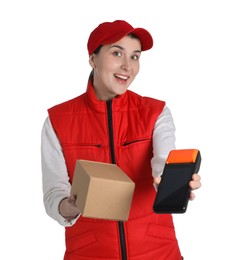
(121, 77)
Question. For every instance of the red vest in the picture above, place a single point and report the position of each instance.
(82, 126)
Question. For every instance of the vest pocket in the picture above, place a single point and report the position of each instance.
(81, 241)
(135, 141)
(161, 232)
(69, 146)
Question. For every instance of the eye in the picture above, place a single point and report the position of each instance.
(135, 57)
(117, 53)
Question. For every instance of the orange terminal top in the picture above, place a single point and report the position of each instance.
(182, 156)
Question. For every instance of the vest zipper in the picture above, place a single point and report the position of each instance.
(111, 133)
(113, 159)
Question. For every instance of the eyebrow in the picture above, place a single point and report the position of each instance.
(121, 48)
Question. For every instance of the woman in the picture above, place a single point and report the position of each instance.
(109, 123)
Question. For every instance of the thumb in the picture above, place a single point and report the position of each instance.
(71, 199)
(157, 180)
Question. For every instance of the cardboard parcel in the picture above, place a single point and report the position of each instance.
(103, 190)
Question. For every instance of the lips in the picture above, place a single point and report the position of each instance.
(122, 77)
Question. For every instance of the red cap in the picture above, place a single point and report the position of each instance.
(110, 32)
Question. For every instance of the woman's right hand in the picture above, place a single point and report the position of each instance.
(68, 209)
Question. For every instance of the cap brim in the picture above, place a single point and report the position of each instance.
(143, 35)
(145, 38)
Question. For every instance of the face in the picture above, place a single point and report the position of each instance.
(115, 67)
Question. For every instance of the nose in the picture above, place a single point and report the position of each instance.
(126, 65)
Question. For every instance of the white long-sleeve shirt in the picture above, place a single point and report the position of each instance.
(56, 185)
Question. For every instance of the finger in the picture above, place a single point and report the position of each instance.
(191, 196)
(71, 199)
(72, 206)
(157, 180)
(196, 177)
(194, 185)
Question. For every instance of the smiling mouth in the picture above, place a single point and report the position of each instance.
(122, 77)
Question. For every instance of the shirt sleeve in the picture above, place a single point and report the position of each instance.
(55, 179)
(163, 141)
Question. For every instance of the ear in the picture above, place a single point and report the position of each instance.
(92, 61)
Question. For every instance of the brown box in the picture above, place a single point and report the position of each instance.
(103, 190)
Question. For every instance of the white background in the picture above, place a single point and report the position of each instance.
(192, 66)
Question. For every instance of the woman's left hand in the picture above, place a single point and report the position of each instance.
(194, 184)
